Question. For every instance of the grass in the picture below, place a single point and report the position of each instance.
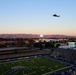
(35, 66)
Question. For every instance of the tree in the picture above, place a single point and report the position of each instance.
(57, 45)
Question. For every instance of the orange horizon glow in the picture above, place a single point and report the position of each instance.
(69, 34)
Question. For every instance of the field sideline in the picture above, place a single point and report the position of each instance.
(34, 66)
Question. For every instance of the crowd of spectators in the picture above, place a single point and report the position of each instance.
(68, 55)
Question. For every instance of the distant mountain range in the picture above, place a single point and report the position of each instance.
(33, 36)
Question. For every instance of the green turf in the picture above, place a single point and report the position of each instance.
(36, 66)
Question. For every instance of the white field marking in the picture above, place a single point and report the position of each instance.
(57, 70)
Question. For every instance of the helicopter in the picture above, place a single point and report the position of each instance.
(55, 15)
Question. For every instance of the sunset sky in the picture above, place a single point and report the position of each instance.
(35, 17)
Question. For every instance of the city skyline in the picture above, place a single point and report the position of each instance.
(36, 17)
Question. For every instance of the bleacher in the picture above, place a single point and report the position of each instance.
(68, 55)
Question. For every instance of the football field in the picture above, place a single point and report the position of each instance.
(29, 66)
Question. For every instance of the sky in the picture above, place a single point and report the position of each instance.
(35, 17)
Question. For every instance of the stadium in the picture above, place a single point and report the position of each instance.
(37, 37)
(27, 61)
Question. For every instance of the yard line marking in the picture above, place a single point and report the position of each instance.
(57, 70)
